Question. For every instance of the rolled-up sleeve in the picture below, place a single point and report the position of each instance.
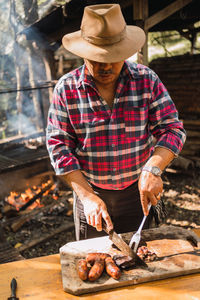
(165, 125)
(60, 136)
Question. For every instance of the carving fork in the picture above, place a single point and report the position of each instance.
(137, 236)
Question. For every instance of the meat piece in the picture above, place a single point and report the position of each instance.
(92, 257)
(151, 257)
(146, 254)
(96, 270)
(124, 262)
(83, 269)
(111, 268)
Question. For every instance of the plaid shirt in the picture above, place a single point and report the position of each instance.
(111, 146)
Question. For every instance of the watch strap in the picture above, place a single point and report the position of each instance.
(153, 169)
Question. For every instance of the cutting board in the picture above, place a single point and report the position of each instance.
(177, 255)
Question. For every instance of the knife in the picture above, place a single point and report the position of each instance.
(121, 245)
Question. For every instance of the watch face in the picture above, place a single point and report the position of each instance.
(155, 170)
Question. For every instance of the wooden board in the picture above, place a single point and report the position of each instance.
(176, 256)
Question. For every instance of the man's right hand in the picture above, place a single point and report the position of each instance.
(94, 210)
(94, 207)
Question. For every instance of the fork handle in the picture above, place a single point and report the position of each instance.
(140, 227)
(144, 219)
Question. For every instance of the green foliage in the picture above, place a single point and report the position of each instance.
(45, 2)
(169, 43)
(40, 2)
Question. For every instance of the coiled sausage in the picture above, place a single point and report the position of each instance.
(83, 269)
(96, 270)
(92, 257)
(111, 268)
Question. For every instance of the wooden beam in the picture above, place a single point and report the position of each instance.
(165, 12)
(140, 14)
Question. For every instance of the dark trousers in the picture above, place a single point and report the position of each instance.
(124, 208)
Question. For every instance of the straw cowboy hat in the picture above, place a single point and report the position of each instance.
(104, 35)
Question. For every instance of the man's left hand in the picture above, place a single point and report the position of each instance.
(150, 188)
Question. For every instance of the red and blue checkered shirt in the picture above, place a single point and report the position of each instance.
(109, 146)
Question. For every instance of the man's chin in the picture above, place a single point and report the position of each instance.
(106, 78)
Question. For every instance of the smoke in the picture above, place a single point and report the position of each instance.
(4, 27)
(22, 70)
(21, 121)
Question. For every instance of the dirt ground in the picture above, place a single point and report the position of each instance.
(181, 196)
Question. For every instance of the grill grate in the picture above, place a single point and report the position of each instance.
(21, 156)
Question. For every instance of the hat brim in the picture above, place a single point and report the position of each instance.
(132, 43)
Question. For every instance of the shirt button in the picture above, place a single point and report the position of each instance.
(114, 169)
(113, 145)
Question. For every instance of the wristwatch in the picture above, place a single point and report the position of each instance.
(153, 169)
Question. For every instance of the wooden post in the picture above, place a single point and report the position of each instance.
(60, 66)
(47, 94)
(140, 14)
(16, 50)
(38, 116)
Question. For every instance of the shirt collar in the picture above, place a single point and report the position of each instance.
(85, 77)
(127, 70)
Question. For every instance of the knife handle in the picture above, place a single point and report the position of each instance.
(13, 287)
(104, 227)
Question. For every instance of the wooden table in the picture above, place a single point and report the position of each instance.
(40, 279)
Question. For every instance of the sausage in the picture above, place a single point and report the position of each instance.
(83, 269)
(92, 257)
(111, 268)
(96, 270)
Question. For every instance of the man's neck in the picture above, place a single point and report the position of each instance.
(107, 92)
(108, 86)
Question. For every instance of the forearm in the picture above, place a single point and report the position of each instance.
(94, 207)
(160, 158)
(77, 182)
(150, 186)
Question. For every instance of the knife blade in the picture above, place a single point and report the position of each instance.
(122, 245)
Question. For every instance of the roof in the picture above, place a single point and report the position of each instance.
(62, 19)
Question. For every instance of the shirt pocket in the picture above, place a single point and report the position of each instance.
(136, 122)
(83, 121)
(89, 131)
(93, 121)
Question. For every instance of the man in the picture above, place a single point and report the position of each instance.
(101, 125)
